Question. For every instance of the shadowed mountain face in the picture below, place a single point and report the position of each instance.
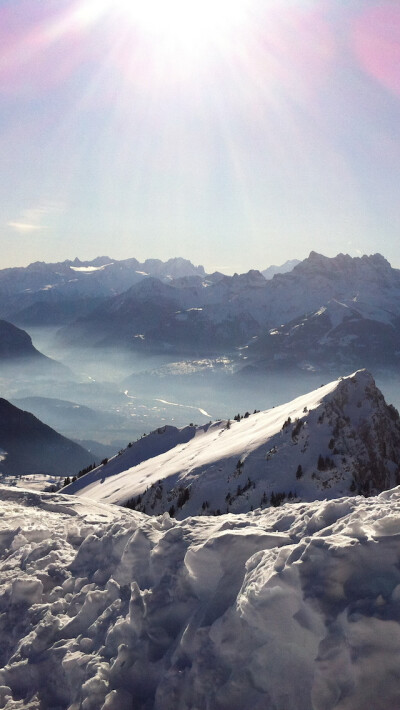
(338, 335)
(29, 446)
(16, 343)
(18, 355)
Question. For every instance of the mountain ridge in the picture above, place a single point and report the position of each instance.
(338, 439)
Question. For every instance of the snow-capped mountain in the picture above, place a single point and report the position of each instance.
(56, 293)
(368, 280)
(207, 315)
(29, 446)
(291, 608)
(342, 438)
(102, 275)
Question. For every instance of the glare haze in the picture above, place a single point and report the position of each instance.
(235, 134)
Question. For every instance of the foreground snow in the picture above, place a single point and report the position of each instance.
(295, 608)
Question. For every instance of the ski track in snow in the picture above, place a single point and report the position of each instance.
(294, 608)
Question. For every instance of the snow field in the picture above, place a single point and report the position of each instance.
(291, 608)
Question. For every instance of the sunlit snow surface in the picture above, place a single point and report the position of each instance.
(294, 608)
(237, 467)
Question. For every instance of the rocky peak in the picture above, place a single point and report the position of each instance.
(250, 279)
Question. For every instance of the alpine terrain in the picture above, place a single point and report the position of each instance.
(339, 440)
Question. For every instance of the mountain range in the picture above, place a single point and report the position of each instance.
(50, 294)
(323, 313)
(359, 299)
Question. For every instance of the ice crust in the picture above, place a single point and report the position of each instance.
(293, 608)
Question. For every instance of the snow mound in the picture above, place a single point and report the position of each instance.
(342, 438)
(295, 608)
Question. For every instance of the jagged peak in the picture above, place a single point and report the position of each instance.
(342, 260)
(252, 277)
(360, 379)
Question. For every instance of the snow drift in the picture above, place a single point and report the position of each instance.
(293, 608)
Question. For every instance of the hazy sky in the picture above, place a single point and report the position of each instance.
(236, 133)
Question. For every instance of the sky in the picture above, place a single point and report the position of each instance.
(235, 133)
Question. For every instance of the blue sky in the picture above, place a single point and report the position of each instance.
(237, 134)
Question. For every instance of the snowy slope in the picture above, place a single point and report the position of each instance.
(294, 608)
(338, 439)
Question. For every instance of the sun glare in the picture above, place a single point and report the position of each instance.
(185, 21)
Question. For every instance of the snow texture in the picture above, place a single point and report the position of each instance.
(292, 608)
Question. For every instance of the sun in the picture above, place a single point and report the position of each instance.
(185, 21)
(159, 43)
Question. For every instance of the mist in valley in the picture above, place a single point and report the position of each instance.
(105, 398)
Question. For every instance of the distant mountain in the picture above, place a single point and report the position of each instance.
(340, 439)
(28, 446)
(71, 418)
(368, 281)
(283, 269)
(337, 335)
(185, 315)
(17, 349)
(209, 315)
(47, 294)
(16, 343)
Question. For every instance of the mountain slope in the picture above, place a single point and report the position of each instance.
(16, 344)
(338, 439)
(292, 608)
(338, 335)
(18, 355)
(29, 446)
